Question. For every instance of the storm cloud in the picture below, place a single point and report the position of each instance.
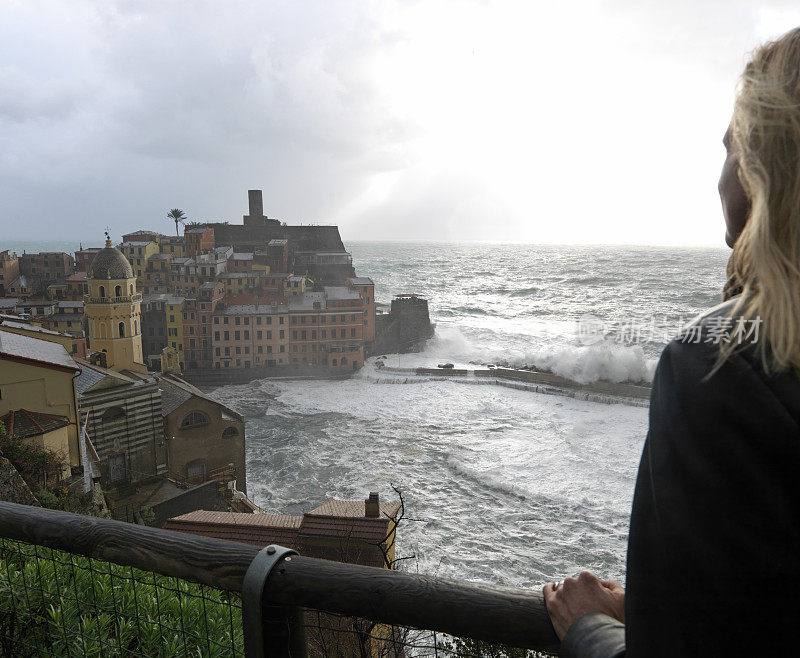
(596, 122)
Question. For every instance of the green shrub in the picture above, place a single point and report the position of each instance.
(47, 498)
(57, 604)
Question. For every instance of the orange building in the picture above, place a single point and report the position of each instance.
(366, 288)
(198, 239)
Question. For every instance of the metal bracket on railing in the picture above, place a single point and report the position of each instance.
(252, 594)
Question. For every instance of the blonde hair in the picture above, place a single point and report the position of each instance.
(766, 261)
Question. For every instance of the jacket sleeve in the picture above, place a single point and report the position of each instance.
(594, 635)
(713, 561)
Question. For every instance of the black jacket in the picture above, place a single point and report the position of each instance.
(714, 545)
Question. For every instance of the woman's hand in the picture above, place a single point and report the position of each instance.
(577, 596)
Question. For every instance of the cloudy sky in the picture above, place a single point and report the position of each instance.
(520, 121)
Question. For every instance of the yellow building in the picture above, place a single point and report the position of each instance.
(113, 311)
(137, 254)
(296, 285)
(173, 308)
(175, 246)
(240, 283)
(38, 376)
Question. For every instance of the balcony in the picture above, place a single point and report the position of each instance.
(125, 299)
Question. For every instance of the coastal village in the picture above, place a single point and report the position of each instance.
(102, 352)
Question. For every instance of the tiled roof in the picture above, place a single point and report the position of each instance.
(172, 396)
(28, 327)
(23, 423)
(175, 391)
(257, 529)
(363, 528)
(88, 378)
(361, 281)
(352, 508)
(348, 538)
(35, 349)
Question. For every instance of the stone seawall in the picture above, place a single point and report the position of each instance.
(527, 380)
(218, 377)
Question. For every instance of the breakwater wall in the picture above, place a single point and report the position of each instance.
(528, 380)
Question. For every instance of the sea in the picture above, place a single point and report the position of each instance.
(501, 486)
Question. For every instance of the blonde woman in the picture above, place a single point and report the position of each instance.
(714, 546)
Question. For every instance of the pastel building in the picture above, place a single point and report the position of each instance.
(113, 311)
(251, 335)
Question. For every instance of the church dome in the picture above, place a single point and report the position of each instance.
(110, 263)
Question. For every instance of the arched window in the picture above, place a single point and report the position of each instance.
(117, 291)
(103, 330)
(113, 413)
(229, 432)
(193, 419)
(102, 291)
(344, 360)
(131, 287)
(333, 362)
(122, 330)
(135, 327)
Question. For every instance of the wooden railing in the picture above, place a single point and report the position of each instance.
(489, 614)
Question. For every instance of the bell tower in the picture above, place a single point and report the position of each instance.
(113, 310)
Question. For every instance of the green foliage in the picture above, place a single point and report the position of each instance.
(47, 498)
(31, 461)
(148, 515)
(57, 604)
(459, 646)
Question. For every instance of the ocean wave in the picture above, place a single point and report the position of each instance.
(493, 482)
(524, 292)
(605, 361)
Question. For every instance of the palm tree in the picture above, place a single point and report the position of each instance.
(178, 216)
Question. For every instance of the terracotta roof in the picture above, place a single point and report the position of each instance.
(363, 528)
(23, 423)
(340, 532)
(257, 529)
(352, 508)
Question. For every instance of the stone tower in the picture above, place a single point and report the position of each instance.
(113, 310)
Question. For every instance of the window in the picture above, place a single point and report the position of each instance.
(247, 320)
(229, 432)
(216, 335)
(113, 413)
(102, 291)
(247, 335)
(227, 335)
(121, 328)
(238, 320)
(269, 335)
(194, 419)
(117, 291)
(258, 320)
(236, 335)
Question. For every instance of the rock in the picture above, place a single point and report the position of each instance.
(12, 487)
